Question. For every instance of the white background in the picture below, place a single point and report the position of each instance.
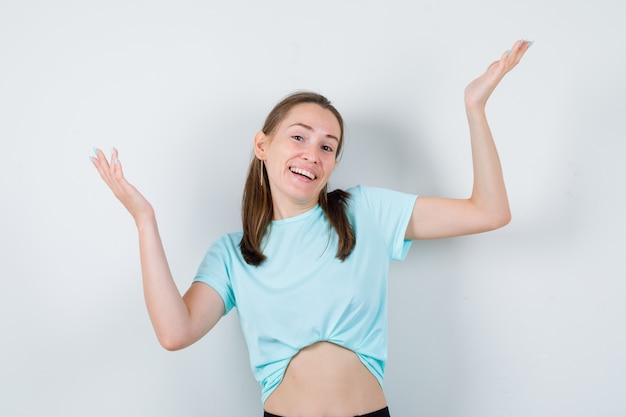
(525, 321)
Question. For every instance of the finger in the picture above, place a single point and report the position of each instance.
(100, 162)
(117, 169)
(100, 159)
(519, 49)
(513, 56)
(110, 173)
(114, 162)
(114, 155)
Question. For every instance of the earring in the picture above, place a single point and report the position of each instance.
(262, 176)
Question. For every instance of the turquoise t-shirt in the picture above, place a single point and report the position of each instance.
(303, 294)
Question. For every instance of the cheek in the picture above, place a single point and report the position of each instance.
(330, 163)
(328, 170)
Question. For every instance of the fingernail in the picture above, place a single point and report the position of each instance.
(531, 43)
(112, 150)
(91, 159)
(95, 151)
(116, 161)
(508, 52)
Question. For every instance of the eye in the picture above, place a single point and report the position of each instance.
(297, 138)
(327, 148)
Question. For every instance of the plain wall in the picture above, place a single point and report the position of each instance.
(529, 320)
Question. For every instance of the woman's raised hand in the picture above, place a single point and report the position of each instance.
(112, 174)
(478, 91)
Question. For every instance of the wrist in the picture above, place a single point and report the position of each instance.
(145, 220)
(475, 110)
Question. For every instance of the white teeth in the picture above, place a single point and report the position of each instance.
(300, 171)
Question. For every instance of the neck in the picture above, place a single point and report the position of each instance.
(285, 211)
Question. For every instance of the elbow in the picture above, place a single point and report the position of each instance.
(508, 219)
(170, 345)
(172, 342)
(500, 219)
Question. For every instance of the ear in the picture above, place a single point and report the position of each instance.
(260, 143)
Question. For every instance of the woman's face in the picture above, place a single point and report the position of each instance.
(299, 157)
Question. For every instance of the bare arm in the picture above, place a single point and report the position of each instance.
(488, 207)
(178, 321)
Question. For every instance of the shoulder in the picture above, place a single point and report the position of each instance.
(374, 196)
(220, 258)
(226, 246)
(358, 193)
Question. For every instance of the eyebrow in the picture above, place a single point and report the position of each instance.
(311, 129)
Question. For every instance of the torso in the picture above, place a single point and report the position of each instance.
(325, 379)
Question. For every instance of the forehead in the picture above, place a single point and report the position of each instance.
(314, 116)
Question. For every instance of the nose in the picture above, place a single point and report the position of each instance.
(311, 154)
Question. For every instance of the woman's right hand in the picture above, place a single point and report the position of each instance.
(177, 322)
(112, 174)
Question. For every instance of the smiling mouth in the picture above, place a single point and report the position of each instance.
(303, 172)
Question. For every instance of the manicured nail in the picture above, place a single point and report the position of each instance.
(112, 150)
(95, 151)
(116, 161)
(531, 43)
(508, 52)
(91, 159)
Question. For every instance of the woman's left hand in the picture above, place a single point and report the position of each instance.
(488, 206)
(478, 91)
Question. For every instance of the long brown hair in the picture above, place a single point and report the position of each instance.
(257, 210)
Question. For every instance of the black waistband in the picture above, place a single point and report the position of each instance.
(380, 413)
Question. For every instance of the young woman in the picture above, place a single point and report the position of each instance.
(308, 271)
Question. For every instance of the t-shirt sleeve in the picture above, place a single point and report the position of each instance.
(391, 210)
(215, 272)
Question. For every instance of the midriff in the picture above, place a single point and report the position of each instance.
(325, 379)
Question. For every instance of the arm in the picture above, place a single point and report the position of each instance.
(178, 321)
(488, 207)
